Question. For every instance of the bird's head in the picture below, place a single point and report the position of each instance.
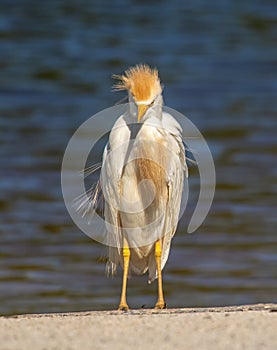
(143, 85)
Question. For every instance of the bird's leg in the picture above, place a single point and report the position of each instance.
(158, 253)
(126, 258)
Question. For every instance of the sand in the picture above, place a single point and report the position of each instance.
(242, 327)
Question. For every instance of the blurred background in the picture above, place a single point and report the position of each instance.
(217, 60)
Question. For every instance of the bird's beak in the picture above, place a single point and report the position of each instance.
(141, 111)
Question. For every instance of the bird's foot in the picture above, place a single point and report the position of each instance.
(123, 307)
(160, 305)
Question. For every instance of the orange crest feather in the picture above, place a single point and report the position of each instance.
(142, 81)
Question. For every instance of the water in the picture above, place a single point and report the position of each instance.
(218, 64)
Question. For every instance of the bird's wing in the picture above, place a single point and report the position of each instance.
(171, 125)
(175, 183)
(112, 166)
(175, 178)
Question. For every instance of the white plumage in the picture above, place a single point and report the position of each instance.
(142, 178)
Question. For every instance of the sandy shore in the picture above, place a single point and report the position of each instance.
(241, 327)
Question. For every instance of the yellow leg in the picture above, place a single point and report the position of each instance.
(126, 258)
(158, 253)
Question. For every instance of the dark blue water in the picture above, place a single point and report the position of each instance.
(217, 61)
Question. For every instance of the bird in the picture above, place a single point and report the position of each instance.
(142, 175)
